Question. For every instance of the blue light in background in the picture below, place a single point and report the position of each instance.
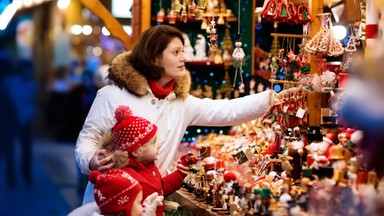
(277, 88)
(259, 27)
(346, 41)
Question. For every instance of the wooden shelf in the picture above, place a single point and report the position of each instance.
(188, 201)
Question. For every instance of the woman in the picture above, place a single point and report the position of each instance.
(152, 80)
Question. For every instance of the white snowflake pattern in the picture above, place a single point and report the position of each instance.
(123, 200)
(100, 195)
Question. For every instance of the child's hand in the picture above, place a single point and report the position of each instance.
(185, 161)
(151, 203)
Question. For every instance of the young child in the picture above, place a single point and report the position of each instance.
(136, 152)
(117, 193)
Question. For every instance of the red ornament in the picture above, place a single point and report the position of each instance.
(230, 176)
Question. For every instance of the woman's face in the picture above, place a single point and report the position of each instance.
(173, 60)
(137, 207)
(151, 150)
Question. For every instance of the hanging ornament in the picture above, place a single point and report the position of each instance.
(324, 42)
(221, 20)
(204, 24)
(282, 14)
(212, 34)
(238, 56)
(238, 53)
(350, 51)
(270, 10)
(304, 14)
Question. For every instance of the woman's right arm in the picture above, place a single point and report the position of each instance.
(99, 120)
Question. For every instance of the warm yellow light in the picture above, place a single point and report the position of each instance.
(63, 4)
(87, 29)
(76, 29)
(105, 31)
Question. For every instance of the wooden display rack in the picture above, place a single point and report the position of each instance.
(188, 201)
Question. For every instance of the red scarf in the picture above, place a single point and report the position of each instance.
(159, 91)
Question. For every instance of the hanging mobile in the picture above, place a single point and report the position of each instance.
(212, 34)
(212, 30)
(238, 56)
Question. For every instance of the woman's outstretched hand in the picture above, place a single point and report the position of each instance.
(101, 160)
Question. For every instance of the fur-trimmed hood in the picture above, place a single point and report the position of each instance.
(122, 73)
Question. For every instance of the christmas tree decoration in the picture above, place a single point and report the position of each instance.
(348, 56)
(227, 47)
(212, 30)
(275, 47)
(286, 12)
(324, 42)
(238, 56)
(304, 14)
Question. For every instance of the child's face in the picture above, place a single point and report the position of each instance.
(151, 150)
(137, 208)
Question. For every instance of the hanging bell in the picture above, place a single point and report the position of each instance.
(221, 20)
(304, 14)
(204, 24)
(336, 152)
(270, 11)
(292, 11)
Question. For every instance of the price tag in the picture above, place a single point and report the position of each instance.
(300, 113)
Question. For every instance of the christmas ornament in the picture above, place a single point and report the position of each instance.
(238, 56)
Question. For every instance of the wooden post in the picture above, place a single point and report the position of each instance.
(314, 99)
(141, 17)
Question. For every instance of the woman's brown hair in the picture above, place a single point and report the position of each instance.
(149, 47)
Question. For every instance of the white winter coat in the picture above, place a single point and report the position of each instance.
(172, 115)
